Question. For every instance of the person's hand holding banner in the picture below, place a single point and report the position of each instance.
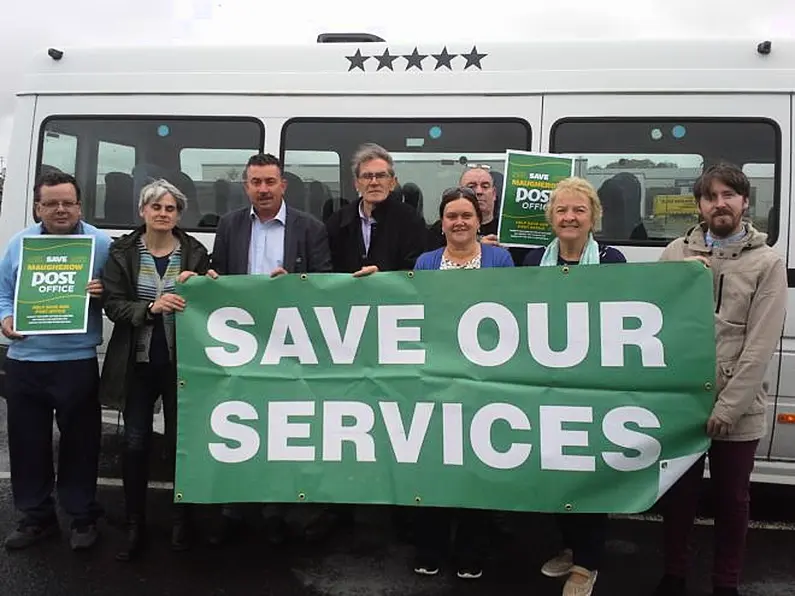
(168, 303)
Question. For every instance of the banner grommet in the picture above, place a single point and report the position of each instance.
(303, 277)
(564, 270)
(302, 496)
(178, 497)
(418, 499)
(568, 507)
(708, 386)
(182, 382)
(410, 274)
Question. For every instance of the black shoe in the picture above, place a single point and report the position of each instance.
(725, 592)
(27, 534)
(83, 537)
(228, 529)
(671, 585)
(136, 541)
(426, 566)
(470, 572)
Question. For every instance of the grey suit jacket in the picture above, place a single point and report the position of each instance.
(306, 247)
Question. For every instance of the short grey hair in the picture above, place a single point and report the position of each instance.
(369, 152)
(154, 191)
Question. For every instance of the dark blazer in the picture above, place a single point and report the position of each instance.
(396, 240)
(305, 243)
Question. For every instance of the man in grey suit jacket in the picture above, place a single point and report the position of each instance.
(269, 237)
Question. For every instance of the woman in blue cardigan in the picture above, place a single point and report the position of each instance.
(460, 215)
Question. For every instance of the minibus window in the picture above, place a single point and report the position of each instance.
(430, 155)
(644, 170)
(114, 157)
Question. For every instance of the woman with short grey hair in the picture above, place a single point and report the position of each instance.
(140, 298)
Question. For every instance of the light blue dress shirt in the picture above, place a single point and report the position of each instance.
(367, 227)
(266, 249)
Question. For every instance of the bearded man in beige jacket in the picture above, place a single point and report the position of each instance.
(750, 290)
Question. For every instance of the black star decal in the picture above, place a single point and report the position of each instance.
(473, 58)
(385, 60)
(444, 59)
(357, 60)
(415, 59)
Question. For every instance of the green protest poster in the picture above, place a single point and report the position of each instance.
(530, 179)
(51, 295)
(584, 389)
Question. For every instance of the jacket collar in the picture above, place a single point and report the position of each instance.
(350, 213)
(695, 240)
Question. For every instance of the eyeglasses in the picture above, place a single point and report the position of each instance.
(478, 166)
(380, 176)
(458, 191)
(53, 205)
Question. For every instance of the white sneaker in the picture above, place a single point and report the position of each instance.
(580, 582)
(560, 565)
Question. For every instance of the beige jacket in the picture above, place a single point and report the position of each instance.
(750, 289)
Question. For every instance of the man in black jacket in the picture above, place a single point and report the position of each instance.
(375, 233)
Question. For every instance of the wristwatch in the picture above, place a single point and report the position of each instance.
(149, 309)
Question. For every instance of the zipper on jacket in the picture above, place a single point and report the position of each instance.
(720, 294)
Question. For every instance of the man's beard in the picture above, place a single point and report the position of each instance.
(724, 227)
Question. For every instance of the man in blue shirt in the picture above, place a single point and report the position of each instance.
(53, 373)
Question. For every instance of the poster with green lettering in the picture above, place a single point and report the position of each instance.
(530, 178)
(576, 389)
(51, 295)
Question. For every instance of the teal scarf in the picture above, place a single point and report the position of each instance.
(590, 255)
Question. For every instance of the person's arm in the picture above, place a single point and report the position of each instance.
(413, 238)
(317, 247)
(504, 259)
(218, 262)
(8, 282)
(764, 326)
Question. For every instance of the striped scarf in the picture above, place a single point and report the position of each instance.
(150, 287)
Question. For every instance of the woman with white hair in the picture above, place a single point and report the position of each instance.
(139, 297)
(573, 211)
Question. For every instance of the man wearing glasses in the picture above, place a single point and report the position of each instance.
(375, 233)
(53, 373)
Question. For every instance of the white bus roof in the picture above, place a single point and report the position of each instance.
(447, 68)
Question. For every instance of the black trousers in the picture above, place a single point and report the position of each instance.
(585, 535)
(35, 391)
(149, 382)
(432, 532)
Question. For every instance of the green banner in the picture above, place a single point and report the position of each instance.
(530, 178)
(532, 389)
(51, 294)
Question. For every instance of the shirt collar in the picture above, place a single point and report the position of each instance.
(281, 215)
(362, 215)
(712, 241)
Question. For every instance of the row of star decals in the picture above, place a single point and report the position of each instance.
(414, 60)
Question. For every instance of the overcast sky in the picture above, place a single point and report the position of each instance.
(28, 26)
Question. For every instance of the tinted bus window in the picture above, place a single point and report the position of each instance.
(644, 170)
(114, 157)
